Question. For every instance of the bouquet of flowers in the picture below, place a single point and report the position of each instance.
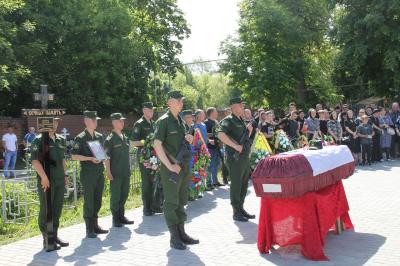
(328, 141)
(148, 156)
(281, 142)
(260, 150)
(200, 162)
(256, 157)
(302, 142)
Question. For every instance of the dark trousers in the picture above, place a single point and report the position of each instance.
(366, 152)
(93, 186)
(175, 195)
(376, 147)
(239, 173)
(395, 147)
(57, 199)
(119, 192)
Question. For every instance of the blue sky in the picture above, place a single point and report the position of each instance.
(211, 21)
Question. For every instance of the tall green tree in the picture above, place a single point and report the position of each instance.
(96, 54)
(11, 69)
(368, 34)
(282, 53)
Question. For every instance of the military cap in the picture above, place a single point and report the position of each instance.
(175, 95)
(148, 105)
(187, 112)
(117, 116)
(235, 100)
(91, 115)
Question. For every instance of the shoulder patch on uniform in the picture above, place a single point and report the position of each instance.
(224, 123)
(81, 135)
(109, 137)
(60, 136)
(35, 147)
(76, 145)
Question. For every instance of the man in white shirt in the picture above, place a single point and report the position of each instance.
(10, 150)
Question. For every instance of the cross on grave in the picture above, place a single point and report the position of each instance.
(65, 133)
(43, 97)
(45, 124)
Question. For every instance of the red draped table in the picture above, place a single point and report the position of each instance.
(303, 220)
(300, 204)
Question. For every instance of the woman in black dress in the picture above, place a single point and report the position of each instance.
(350, 129)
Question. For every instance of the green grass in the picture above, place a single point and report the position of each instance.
(13, 232)
(70, 215)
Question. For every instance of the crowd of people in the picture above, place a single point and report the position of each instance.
(369, 132)
(184, 149)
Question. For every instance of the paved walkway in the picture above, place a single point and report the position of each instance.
(373, 194)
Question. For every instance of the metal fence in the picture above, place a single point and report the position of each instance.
(19, 199)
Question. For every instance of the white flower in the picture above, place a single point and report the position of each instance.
(153, 160)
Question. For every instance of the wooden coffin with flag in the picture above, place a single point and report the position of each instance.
(297, 172)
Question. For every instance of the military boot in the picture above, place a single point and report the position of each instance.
(238, 215)
(56, 247)
(246, 214)
(115, 219)
(59, 241)
(97, 228)
(90, 228)
(122, 217)
(176, 242)
(185, 238)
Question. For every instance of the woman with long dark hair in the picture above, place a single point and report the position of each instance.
(351, 128)
(334, 128)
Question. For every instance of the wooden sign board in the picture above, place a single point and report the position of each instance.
(43, 112)
(45, 124)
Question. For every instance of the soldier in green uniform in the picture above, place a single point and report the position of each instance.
(141, 130)
(57, 180)
(232, 129)
(92, 177)
(118, 169)
(170, 137)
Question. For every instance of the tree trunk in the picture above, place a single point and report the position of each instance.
(301, 87)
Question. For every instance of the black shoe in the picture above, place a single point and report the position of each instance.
(157, 210)
(123, 219)
(184, 237)
(148, 212)
(115, 220)
(238, 216)
(90, 228)
(220, 185)
(59, 241)
(176, 242)
(247, 215)
(49, 249)
(98, 229)
(208, 188)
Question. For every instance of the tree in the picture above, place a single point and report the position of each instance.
(368, 35)
(96, 54)
(11, 70)
(277, 56)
